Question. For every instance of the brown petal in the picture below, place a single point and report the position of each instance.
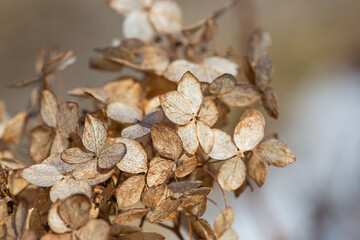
(198, 209)
(259, 45)
(14, 129)
(188, 136)
(55, 222)
(185, 165)
(68, 187)
(124, 113)
(56, 161)
(95, 229)
(163, 210)
(130, 215)
(117, 229)
(111, 156)
(68, 118)
(166, 141)
(159, 170)
(86, 170)
(223, 84)
(248, 70)
(223, 148)
(264, 69)
(203, 229)
(242, 95)
(208, 113)
(257, 169)
(59, 144)
(94, 135)
(142, 236)
(135, 159)
(97, 94)
(77, 155)
(49, 108)
(275, 152)
(126, 90)
(230, 234)
(177, 189)
(166, 16)
(223, 221)
(155, 59)
(41, 175)
(205, 136)
(190, 88)
(195, 196)
(176, 108)
(129, 192)
(270, 102)
(152, 195)
(41, 140)
(232, 174)
(250, 130)
(75, 210)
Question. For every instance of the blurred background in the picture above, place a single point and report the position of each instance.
(316, 49)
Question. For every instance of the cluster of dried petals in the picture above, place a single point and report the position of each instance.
(143, 17)
(148, 148)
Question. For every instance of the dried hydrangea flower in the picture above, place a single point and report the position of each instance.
(186, 108)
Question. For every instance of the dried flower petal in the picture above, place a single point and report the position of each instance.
(223, 221)
(77, 155)
(49, 108)
(257, 169)
(129, 192)
(54, 220)
(135, 159)
(75, 210)
(41, 175)
(185, 165)
(159, 170)
(232, 174)
(188, 136)
(111, 156)
(123, 113)
(41, 140)
(94, 135)
(130, 215)
(55, 161)
(137, 25)
(166, 141)
(14, 129)
(95, 229)
(176, 108)
(166, 17)
(67, 187)
(208, 113)
(250, 130)
(190, 88)
(259, 45)
(164, 209)
(242, 95)
(223, 148)
(223, 84)
(275, 152)
(270, 102)
(152, 195)
(230, 234)
(205, 136)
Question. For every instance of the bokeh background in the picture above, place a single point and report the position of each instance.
(316, 49)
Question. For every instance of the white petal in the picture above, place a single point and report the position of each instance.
(232, 174)
(125, 6)
(123, 113)
(205, 136)
(190, 89)
(188, 136)
(41, 175)
(222, 65)
(135, 131)
(137, 25)
(176, 108)
(166, 17)
(68, 187)
(223, 148)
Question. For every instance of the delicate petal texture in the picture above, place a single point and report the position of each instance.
(67, 187)
(95, 229)
(264, 69)
(101, 177)
(232, 174)
(130, 215)
(137, 25)
(55, 222)
(41, 140)
(55, 161)
(135, 131)
(164, 209)
(259, 44)
(125, 90)
(222, 65)
(86, 170)
(223, 84)
(208, 113)
(59, 144)
(155, 59)
(125, 6)
(250, 130)
(129, 192)
(257, 169)
(205, 136)
(14, 129)
(94, 135)
(190, 88)
(223, 148)
(203, 229)
(41, 175)
(270, 102)
(166, 17)
(49, 108)
(223, 221)
(185, 165)
(142, 236)
(275, 152)
(75, 211)
(155, 116)
(159, 170)
(123, 113)
(135, 159)
(97, 93)
(176, 108)
(111, 156)
(188, 135)
(77, 155)
(178, 68)
(152, 196)
(242, 95)
(68, 118)
(166, 141)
